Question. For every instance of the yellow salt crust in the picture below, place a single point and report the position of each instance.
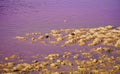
(12, 57)
(109, 27)
(69, 42)
(58, 61)
(55, 31)
(81, 68)
(76, 56)
(68, 30)
(52, 56)
(67, 54)
(10, 64)
(45, 71)
(96, 41)
(108, 35)
(67, 62)
(81, 42)
(54, 65)
(56, 73)
(74, 72)
(83, 65)
(117, 43)
(21, 38)
(57, 35)
(102, 49)
(40, 37)
(59, 39)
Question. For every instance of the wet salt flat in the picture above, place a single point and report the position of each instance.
(19, 17)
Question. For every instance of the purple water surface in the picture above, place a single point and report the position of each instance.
(18, 17)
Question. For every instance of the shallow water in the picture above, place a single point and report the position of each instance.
(18, 17)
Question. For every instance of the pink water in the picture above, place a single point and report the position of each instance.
(18, 17)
